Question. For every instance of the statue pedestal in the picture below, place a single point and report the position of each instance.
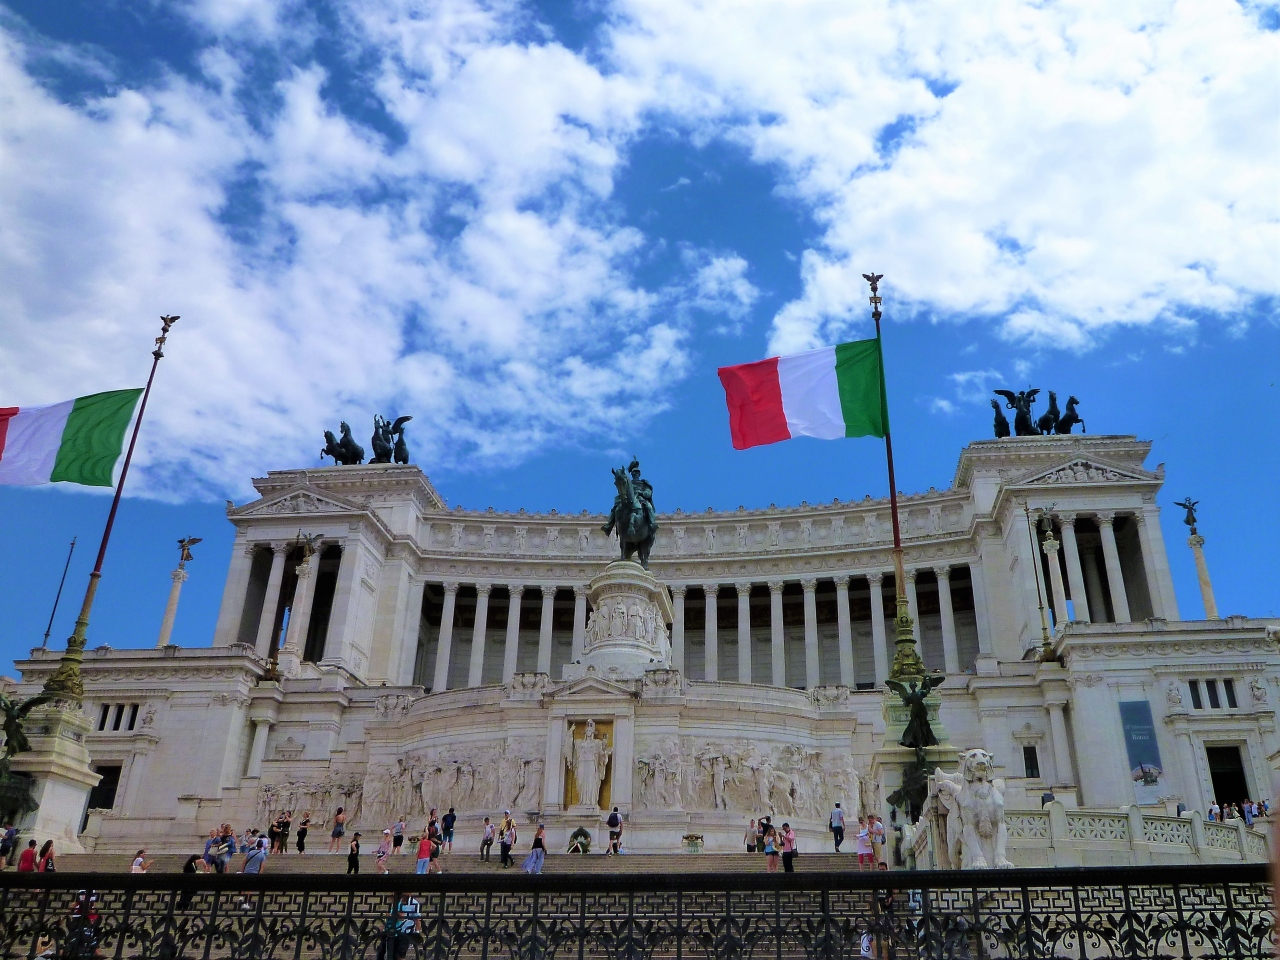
(888, 761)
(627, 633)
(58, 763)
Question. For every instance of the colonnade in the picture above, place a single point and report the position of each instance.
(742, 670)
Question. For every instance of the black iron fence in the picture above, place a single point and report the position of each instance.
(1181, 912)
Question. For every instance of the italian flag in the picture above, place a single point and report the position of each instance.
(77, 441)
(827, 393)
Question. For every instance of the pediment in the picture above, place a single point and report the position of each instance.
(297, 502)
(593, 687)
(1086, 471)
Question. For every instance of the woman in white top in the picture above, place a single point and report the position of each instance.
(140, 863)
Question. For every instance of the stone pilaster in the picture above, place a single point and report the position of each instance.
(1155, 561)
(677, 626)
(271, 602)
(290, 658)
(231, 613)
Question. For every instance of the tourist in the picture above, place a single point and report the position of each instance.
(1248, 811)
(7, 842)
(140, 862)
(45, 863)
(866, 855)
(27, 859)
(283, 824)
(397, 837)
(763, 827)
(353, 853)
(226, 847)
(788, 849)
(506, 838)
(406, 913)
(447, 823)
(875, 827)
(1228, 812)
(751, 836)
(424, 854)
(256, 858)
(1266, 808)
(273, 835)
(533, 862)
(193, 865)
(339, 828)
(384, 850)
(206, 862)
(615, 833)
(486, 840)
(1215, 811)
(771, 851)
(836, 824)
(303, 827)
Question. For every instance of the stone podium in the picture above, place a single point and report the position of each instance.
(628, 633)
(58, 763)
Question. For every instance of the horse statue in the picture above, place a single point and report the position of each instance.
(1049, 420)
(633, 514)
(1002, 422)
(1069, 419)
(1023, 425)
(345, 451)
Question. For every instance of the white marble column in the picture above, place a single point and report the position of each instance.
(879, 645)
(544, 628)
(1061, 743)
(271, 601)
(1196, 543)
(234, 594)
(712, 648)
(579, 621)
(677, 626)
(295, 637)
(1093, 586)
(1156, 559)
(1051, 548)
(440, 682)
(811, 675)
(171, 608)
(511, 649)
(950, 651)
(1115, 576)
(845, 629)
(744, 632)
(913, 608)
(410, 629)
(258, 752)
(980, 609)
(1075, 576)
(776, 640)
(475, 669)
(1151, 566)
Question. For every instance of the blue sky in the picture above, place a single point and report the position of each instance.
(539, 229)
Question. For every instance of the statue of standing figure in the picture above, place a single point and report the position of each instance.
(388, 440)
(589, 759)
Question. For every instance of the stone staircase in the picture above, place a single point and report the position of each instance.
(560, 863)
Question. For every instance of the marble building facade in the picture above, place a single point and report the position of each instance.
(430, 656)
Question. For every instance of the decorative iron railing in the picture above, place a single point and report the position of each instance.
(1182, 912)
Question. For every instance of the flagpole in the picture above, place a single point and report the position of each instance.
(907, 664)
(44, 644)
(65, 683)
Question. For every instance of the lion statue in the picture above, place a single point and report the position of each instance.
(974, 802)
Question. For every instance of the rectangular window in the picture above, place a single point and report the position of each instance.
(103, 715)
(1211, 687)
(1031, 762)
(133, 715)
(119, 717)
(1195, 694)
(1229, 688)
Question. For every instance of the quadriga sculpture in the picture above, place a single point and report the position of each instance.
(974, 802)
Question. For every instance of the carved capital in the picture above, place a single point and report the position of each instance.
(875, 579)
(451, 586)
(711, 589)
(515, 589)
(842, 583)
(678, 590)
(483, 589)
(744, 589)
(809, 584)
(775, 586)
(1066, 519)
(942, 573)
(579, 591)
(1105, 517)
(1051, 546)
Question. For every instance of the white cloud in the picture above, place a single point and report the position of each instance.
(720, 285)
(1070, 166)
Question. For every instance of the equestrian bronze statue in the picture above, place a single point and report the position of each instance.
(633, 515)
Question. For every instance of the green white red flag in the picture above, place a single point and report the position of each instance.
(828, 393)
(76, 441)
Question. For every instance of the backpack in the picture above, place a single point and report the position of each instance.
(615, 821)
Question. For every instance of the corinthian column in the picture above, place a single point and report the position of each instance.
(811, 675)
(744, 632)
(1075, 576)
(475, 669)
(712, 649)
(845, 629)
(511, 649)
(271, 602)
(777, 647)
(950, 651)
(677, 626)
(1196, 543)
(440, 682)
(1051, 548)
(1115, 576)
(579, 621)
(879, 644)
(912, 606)
(299, 620)
(171, 608)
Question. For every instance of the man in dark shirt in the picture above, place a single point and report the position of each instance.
(446, 830)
